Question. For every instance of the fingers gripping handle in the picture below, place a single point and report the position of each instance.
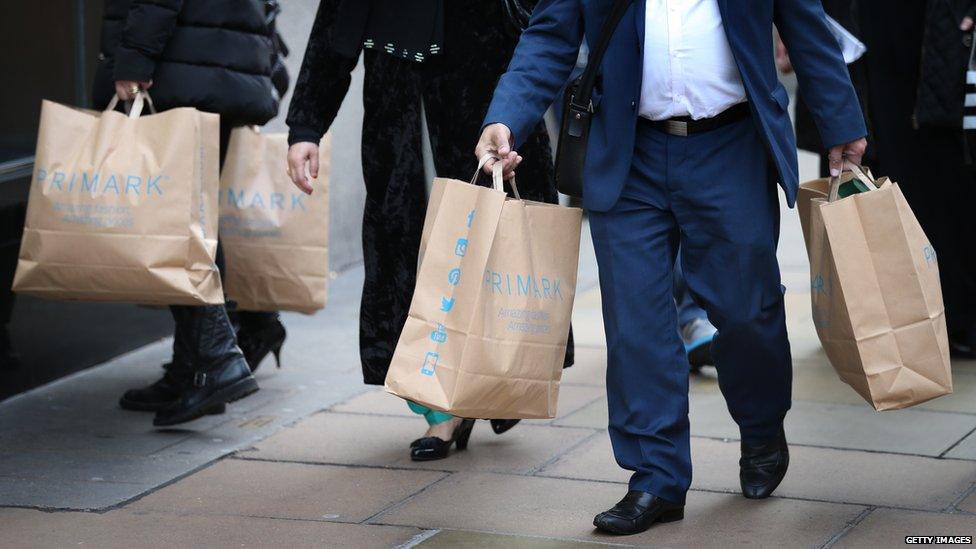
(859, 172)
(142, 98)
(497, 175)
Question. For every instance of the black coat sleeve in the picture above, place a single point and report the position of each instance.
(148, 27)
(322, 82)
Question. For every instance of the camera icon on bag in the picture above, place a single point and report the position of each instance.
(430, 363)
(461, 248)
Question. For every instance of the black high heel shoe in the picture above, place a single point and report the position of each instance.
(499, 426)
(257, 343)
(433, 448)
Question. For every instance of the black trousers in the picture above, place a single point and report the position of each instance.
(455, 89)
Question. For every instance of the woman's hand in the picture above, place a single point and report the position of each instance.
(496, 139)
(300, 155)
(127, 89)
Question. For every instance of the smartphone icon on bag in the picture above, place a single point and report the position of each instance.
(430, 363)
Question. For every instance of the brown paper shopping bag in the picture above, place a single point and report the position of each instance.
(487, 329)
(877, 300)
(275, 237)
(123, 207)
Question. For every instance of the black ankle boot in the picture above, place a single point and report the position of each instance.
(258, 335)
(163, 392)
(220, 374)
(167, 389)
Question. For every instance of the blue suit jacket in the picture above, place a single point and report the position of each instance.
(547, 52)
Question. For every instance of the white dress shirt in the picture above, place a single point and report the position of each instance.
(688, 65)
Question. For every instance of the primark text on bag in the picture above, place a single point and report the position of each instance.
(123, 208)
(275, 238)
(487, 329)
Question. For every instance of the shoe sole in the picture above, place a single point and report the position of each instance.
(135, 406)
(669, 516)
(235, 392)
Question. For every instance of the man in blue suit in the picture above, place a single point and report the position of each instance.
(690, 135)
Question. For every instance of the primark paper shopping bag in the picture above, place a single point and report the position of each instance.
(275, 237)
(122, 207)
(487, 329)
(877, 300)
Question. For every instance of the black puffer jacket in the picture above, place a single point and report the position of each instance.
(945, 57)
(214, 55)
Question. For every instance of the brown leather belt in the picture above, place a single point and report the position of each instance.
(684, 126)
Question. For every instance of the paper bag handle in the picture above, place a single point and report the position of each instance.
(860, 173)
(497, 181)
(142, 99)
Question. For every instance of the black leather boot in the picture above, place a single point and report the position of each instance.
(220, 374)
(258, 335)
(167, 389)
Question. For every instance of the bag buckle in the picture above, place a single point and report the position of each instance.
(199, 379)
(676, 127)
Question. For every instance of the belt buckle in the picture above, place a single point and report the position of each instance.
(676, 127)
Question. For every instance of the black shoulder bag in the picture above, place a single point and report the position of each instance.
(578, 110)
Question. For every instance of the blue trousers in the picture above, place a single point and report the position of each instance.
(688, 310)
(713, 193)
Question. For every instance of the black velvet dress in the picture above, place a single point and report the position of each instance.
(455, 88)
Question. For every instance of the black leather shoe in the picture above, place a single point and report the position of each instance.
(637, 512)
(500, 426)
(433, 448)
(256, 340)
(762, 467)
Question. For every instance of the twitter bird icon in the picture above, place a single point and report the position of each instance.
(447, 304)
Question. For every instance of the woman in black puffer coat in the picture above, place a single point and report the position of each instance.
(215, 56)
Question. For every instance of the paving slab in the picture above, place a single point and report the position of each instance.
(816, 381)
(463, 539)
(968, 505)
(287, 490)
(864, 478)
(590, 367)
(23, 528)
(53, 437)
(380, 441)
(965, 449)
(564, 509)
(888, 528)
(379, 402)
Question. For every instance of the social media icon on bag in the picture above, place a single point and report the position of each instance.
(454, 277)
(461, 248)
(439, 335)
(470, 218)
(447, 304)
(430, 363)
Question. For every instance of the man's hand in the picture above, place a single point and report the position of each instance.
(127, 89)
(496, 139)
(300, 155)
(851, 153)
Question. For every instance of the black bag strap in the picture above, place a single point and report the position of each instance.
(587, 80)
